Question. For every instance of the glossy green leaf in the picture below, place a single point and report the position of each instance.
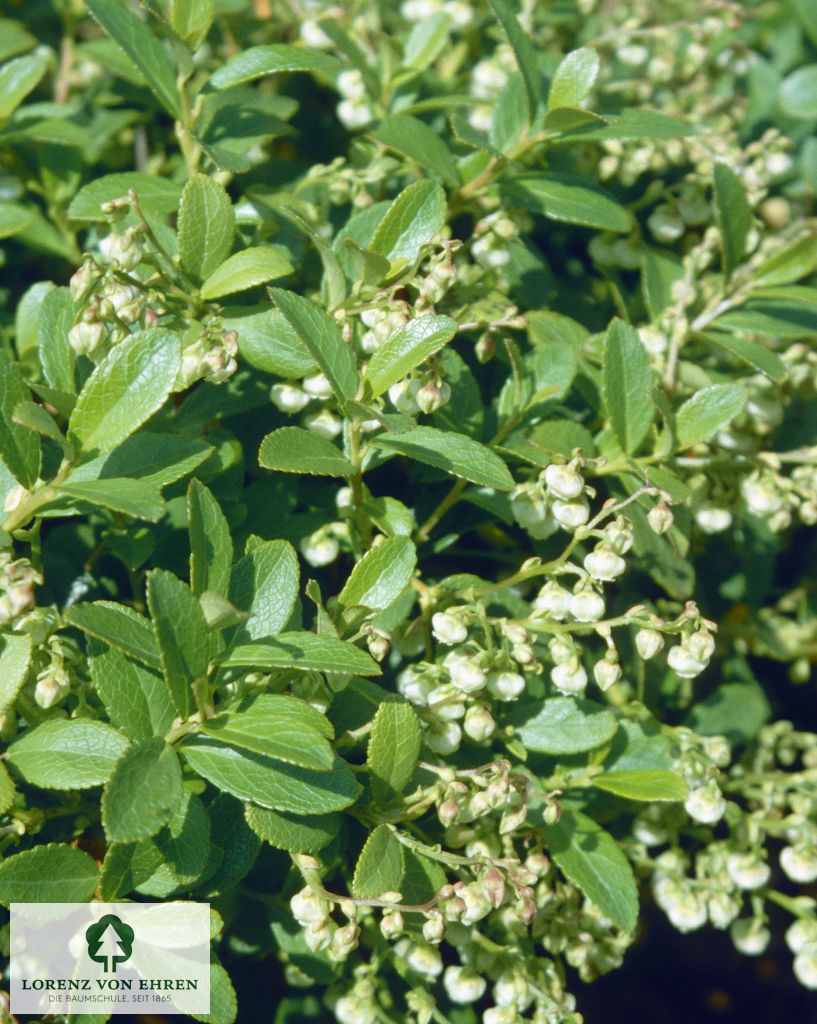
(568, 198)
(381, 576)
(797, 95)
(7, 791)
(268, 342)
(292, 833)
(246, 269)
(405, 349)
(643, 784)
(143, 793)
(223, 1000)
(414, 139)
(157, 459)
(789, 264)
(393, 750)
(426, 41)
(17, 78)
(181, 632)
(734, 216)
(205, 224)
(379, 868)
(136, 698)
(14, 218)
(322, 337)
(137, 498)
(265, 584)
(136, 40)
(304, 652)
(52, 873)
(752, 352)
(574, 78)
(20, 447)
(259, 61)
(734, 710)
(268, 782)
(67, 754)
(119, 626)
(454, 453)
(562, 725)
(708, 411)
(15, 659)
(156, 195)
(296, 450)
(211, 546)
(415, 218)
(627, 382)
(591, 859)
(524, 52)
(125, 389)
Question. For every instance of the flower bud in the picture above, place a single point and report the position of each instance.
(431, 397)
(803, 932)
(479, 724)
(323, 423)
(761, 497)
(805, 966)
(465, 673)
(749, 936)
(700, 644)
(687, 913)
(444, 738)
(586, 606)
(434, 927)
(378, 644)
(87, 337)
(660, 518)
(606, 673)
(463, 985)
(506, 685)
(448, 812)
(713, 520)
(424, 960)
(476, 903)
(288, 398)
(52, 686)
(799, 863)
(553, 600)
(570, 515)
(684, 663)
(317, 386)
(82, 280)
(648, 643)
(569, 679)
(391, 924)
(493, 885)
(748, 871)
(319, 549)
(564, 481)
(604, 564)
(706, 804)
(306, 907)
(448, 629)
(402, 395)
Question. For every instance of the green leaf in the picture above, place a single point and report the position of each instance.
(453, 453)
(414, 219)
(591, 859)
(125, 389)
(524, 52)
(790, 264)
(797, 95)
(28, 316)
(137, 498)
(708, 411)
(734, 216)
(807, 14)
(67, 753)
(143, 793)
(13, 217)
(246, 269)
(17, 78)
(322, 337)
(181, 632)
(54, 873)
(426, 41)
(267, 342)
(414, 139)
(292, 833)
(274, 59)
(381, 576)
(789, 312)
(268, 782)
(296, 450)
(305, 652)
(158, 459)
(278, 726)
(568, 198)
(191, 19)
(630, 124)
(644, 784)
(751, 352)
(119, 626)
(659, 273)
(135, 38)
(574, 78)
(184, 847)
(211, 546)
(206, 224)
(20, 447)
(15, 659)
(238, 844)
(562, 725)
(379, 868)
(734, 710)
(627, 382)
(265, 583)
(223, 1001)
(39, 419)
(405, 349)
(7, 790)
(158, 196)
(394, 747)
(137, 699)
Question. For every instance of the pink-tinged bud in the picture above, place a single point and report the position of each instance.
(493, 885)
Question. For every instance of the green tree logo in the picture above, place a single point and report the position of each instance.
(109, 941)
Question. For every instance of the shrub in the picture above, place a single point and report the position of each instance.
(408, 452)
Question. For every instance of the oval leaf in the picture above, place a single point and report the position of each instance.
(562, 725)
(67, 754)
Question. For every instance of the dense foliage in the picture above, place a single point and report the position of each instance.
(408, 454)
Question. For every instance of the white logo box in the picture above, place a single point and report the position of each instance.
(110, 958)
